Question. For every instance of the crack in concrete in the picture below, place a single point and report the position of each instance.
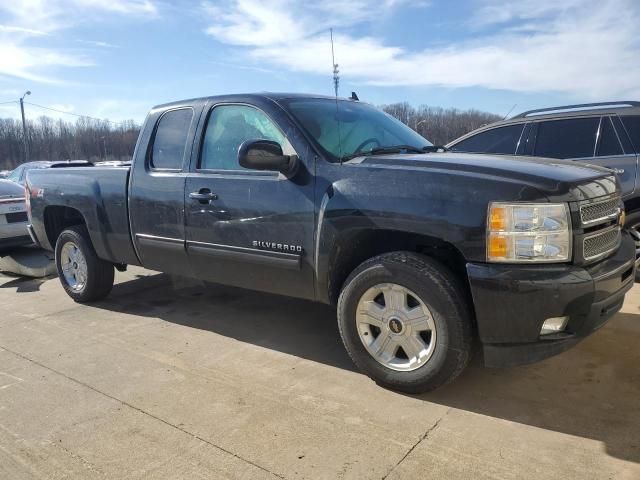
(144, 412)
(422, 438)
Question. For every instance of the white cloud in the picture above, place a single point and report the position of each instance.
(576, 47)
(21, 30)
(25, 24)
(97, 43)
(51, 15)
(499, 11)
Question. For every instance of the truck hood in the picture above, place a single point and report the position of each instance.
(553, 178)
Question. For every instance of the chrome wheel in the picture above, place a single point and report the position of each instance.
(396, 327)
(74, 266)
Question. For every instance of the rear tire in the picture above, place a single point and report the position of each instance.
(413, 303)
(84, 276)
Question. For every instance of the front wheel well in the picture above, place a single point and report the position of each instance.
(632, 205)
(365, 244)
(59, 218)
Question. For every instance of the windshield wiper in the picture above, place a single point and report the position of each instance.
(386, 149)
(435, 149)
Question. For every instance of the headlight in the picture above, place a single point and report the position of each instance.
(528, 232)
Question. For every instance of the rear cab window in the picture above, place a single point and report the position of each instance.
(170, 140)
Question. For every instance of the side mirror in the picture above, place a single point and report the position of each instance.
(265, 155)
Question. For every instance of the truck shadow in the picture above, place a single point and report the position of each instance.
(591, 391)
(24, 284)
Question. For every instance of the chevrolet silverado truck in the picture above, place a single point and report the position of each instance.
(334, 201)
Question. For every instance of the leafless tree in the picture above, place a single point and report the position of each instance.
(437, 124)
(91, 139)
(49, 139)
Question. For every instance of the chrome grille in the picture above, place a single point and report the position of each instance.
(601, 211)
(601, 243)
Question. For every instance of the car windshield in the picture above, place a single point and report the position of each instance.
(350, 127)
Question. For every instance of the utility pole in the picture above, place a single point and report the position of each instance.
(24, 127)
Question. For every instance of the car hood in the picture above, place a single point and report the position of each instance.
(551, 177)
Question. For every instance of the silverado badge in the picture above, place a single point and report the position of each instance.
(279, 247)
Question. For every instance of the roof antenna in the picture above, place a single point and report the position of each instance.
(336, 82)
(514, 106)
(354, 96)
(336, 71)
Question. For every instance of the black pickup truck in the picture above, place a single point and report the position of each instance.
(333, 200)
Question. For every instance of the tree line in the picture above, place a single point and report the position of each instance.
(57, 139)
(440, 125)
(95, 140)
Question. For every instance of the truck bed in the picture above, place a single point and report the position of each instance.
(98, 193)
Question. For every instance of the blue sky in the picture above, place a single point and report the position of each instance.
(117, 58)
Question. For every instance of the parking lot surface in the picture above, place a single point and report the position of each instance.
(168, 378)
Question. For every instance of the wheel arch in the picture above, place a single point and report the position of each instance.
(632, 205)
(57, 218)
(353, 248)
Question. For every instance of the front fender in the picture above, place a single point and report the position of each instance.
(446, 207)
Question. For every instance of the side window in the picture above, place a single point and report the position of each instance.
(227, 128)
(503, 140)
(609, 144)
(632, 124)
(170, 140)
(572, 138)
(528, 139)
(622, 135)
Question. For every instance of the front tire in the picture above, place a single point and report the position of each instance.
(632, 224)
(84, 276)
(405, 322)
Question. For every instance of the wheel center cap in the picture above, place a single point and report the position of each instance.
(75, 265)
(395, 325)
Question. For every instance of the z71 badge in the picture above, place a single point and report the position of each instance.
(279, 247)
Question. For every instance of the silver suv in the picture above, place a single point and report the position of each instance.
(605, 134)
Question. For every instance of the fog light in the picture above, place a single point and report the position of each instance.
(554, 325)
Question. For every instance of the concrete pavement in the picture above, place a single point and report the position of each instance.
(171, 379)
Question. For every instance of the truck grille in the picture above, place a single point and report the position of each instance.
(601, 243)
(599, 212)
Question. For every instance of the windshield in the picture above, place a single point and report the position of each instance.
(351, 127)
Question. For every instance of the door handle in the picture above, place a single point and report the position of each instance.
(203, 195)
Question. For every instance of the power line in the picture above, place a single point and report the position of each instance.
(75, 114)
(5, 103)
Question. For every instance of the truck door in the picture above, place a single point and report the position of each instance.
(156, 190)
(250, 228)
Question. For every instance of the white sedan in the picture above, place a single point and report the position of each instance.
(13, 216)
